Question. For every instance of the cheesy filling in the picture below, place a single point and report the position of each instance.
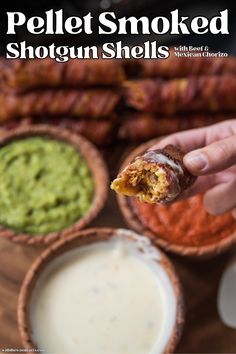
(143, 180)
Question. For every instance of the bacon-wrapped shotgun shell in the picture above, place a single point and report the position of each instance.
(177, 67)
(144, 126)
(23, 75)
(93, 103)
(193, 94)
(158, 176)
(100, 133)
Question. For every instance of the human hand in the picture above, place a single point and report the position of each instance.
(211, 155)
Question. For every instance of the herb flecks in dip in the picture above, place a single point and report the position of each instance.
(45, 185)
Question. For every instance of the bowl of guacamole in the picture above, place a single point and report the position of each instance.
(52, 183)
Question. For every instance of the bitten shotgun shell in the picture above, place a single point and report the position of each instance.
(157, 176)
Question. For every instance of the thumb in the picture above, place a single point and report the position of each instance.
(213, 158)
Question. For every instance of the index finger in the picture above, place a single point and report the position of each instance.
(193, 139)
(188, 140)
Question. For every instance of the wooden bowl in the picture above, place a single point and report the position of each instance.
(79, 239)
(194, 252)
(95, 163)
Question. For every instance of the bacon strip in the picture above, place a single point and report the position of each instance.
(27, 74)
(144, 126)
(193, 94)
(92, 103)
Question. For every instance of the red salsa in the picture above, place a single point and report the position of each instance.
(185, 222)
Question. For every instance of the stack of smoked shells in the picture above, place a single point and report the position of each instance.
(106, 100)
(82, 95)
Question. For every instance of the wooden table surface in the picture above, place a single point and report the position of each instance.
(203, 332)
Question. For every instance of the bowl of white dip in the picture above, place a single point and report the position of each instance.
(101, 291)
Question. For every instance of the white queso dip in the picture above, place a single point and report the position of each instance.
(108, 297)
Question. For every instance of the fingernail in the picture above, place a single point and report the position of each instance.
(196, 161)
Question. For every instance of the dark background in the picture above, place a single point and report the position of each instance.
(150, 8)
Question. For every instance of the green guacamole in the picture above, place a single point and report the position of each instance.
(45, 185)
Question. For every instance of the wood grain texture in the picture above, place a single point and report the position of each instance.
(203, 332)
